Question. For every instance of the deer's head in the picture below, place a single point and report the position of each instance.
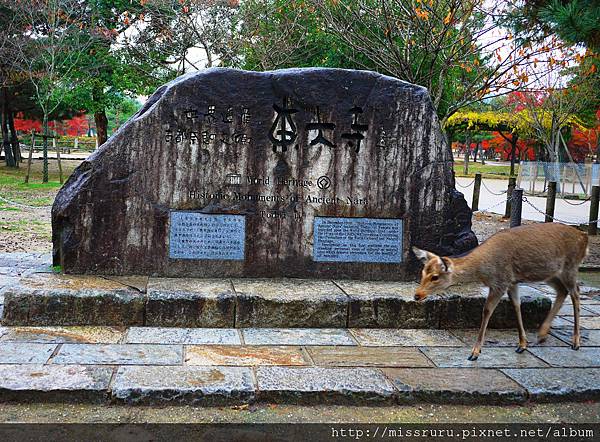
(436, 275)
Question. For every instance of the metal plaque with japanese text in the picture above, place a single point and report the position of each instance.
(357, 240)
(194, 235)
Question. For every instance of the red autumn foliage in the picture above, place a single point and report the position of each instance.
(76, 126)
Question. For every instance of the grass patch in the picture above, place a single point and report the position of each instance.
(486, 171)
(34, 193)
(5, 207)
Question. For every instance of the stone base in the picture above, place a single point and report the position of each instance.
(50, 299)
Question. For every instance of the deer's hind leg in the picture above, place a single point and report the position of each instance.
(513, 294)
(561, 294)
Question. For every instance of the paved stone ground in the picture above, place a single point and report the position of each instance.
(248, 365)
(148, 365)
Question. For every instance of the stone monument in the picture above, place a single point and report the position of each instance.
(323, 173)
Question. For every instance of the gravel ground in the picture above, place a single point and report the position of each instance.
(25, 230)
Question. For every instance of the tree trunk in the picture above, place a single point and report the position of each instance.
(14, 138)
(513, 153)
(8, 154)
(101, 126)
(467, 154)
(475, 153)
(45, 148)
(482, 154)
(598, 149)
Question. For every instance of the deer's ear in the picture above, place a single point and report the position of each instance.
(446, 265)
(423, 255)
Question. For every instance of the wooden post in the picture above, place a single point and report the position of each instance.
(593, 225)
(476, 191)
(30, 157)
(516, 207)
(550, 202)
(60, 175)
(512, 183)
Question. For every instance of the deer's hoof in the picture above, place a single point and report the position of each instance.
(472, 357)
(542, 339)
(520, 349)
(575, 346)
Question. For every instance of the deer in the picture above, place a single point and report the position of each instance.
(548, 252)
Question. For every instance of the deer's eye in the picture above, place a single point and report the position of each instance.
(435, 277)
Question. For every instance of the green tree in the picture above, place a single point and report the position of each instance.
(574, 21)
(47, 52)
(449, 46)
(110, 66)
(121, 111)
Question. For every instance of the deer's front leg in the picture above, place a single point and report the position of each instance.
(513, 294)
(490, 305)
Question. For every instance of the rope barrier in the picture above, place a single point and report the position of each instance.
(558, 219)
(464, 187)
(493, 206)
(491, 191)
(25, 206)
(576, 204)
(525, 200)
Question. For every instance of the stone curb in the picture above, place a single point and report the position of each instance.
(234, 386)
(37, 301)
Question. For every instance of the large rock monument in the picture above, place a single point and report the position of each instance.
(302, 172)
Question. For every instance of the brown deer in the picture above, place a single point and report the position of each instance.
(547, 252)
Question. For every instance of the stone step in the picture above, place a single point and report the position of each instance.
(52, 299)
(226, 385)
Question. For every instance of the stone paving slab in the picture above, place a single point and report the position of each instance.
(455, 385)
(592, 308)
(490, 357)
(59, 335)
(323, 385)
(558, 384)
(566, 357)
(561, 322)
(52, 300)
(289, 303)
(337, 356)
(588, 338)
(567, 310)
(115, 354)
(162, 335)
(505, 338)
(297, 336)
(17, 264)
(412, 373)
(25, 353)
(592, 323)
(189, 385)
(243, 355)
(5, 282)
(188, 302)
(137, 282)
(54, 383)
(405, 337)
